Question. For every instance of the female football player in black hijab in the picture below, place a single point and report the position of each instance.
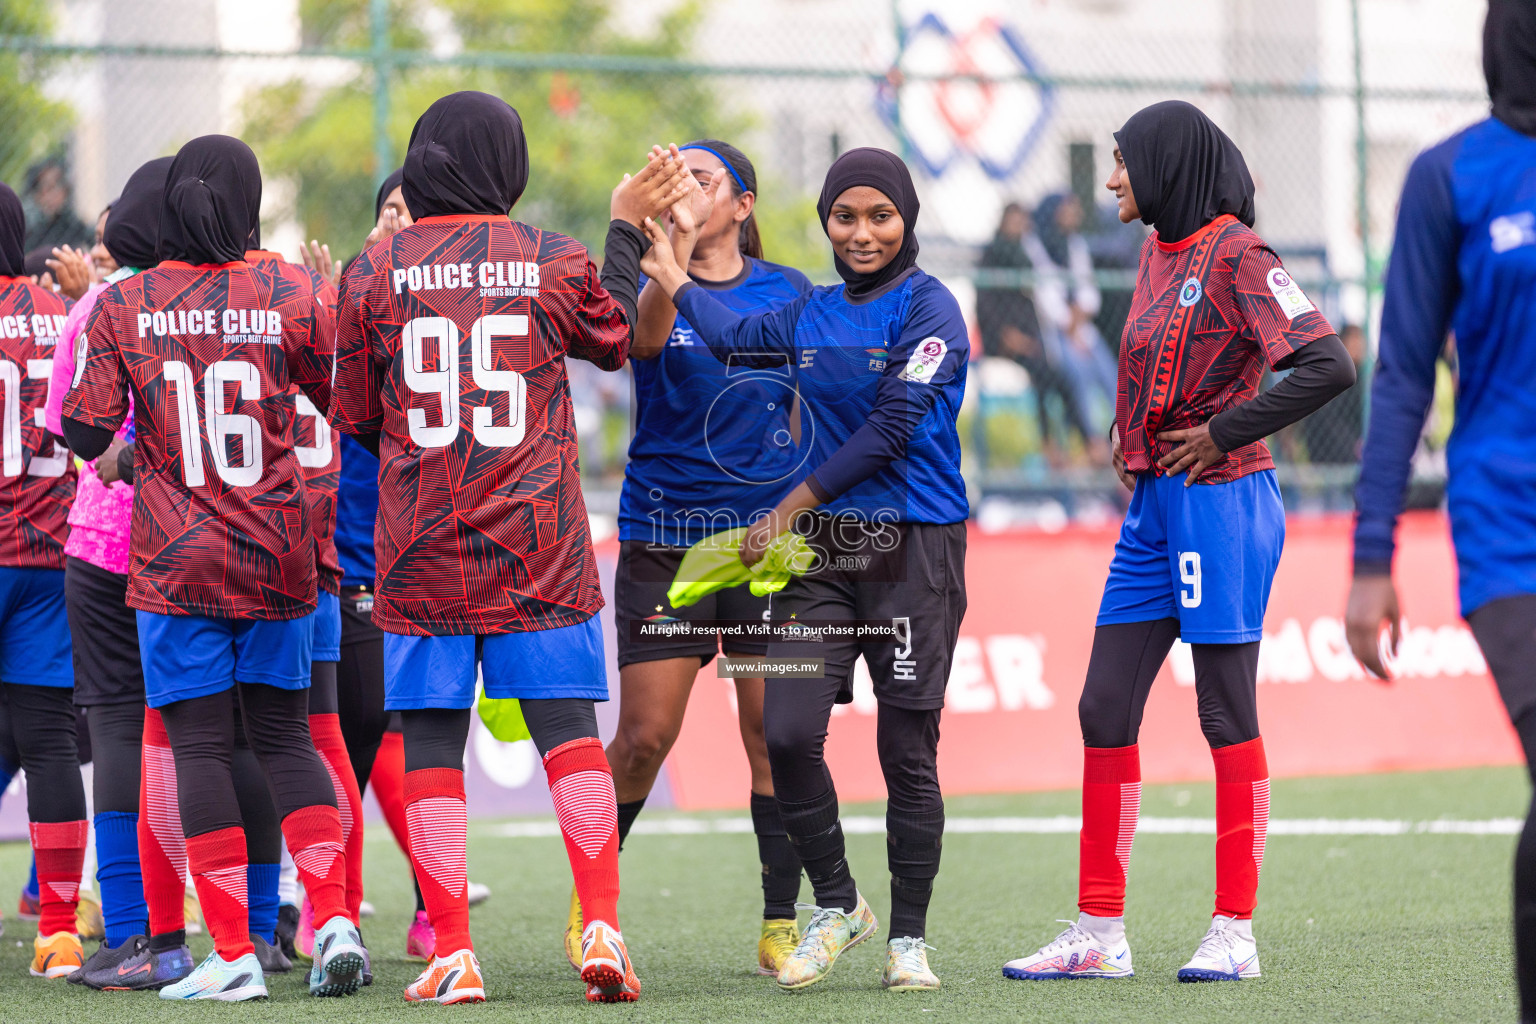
(209, 380)
(885, 494)
(452, 341)
(1200, 425)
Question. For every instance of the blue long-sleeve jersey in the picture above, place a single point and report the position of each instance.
(880, 384)
(1463, 261)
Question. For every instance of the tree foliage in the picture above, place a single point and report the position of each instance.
(585, 129)
(35, 126)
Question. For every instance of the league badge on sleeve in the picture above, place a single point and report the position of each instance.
(925, 361)
(1293, 301)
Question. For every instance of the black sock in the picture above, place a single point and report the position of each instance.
(627, 814)
(1525, 884)
(914, 841)
(817, 838)
(421, 904)
(167, 941)
(781, 865)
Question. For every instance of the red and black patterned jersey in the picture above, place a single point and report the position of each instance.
(452, 338)
(219, 519)
(319, 457)
(37, 475)
(1207, 315)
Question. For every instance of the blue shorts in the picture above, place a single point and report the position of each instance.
(325, 620)
(439, 671)
(1205, 555)
(187, 656)
(34, 630)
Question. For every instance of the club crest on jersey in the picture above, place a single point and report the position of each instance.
(680, 336)
(1293, 301)
(925, 361)
(1191, 292)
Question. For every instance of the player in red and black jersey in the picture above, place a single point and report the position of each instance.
(222, 561)
(37, 486)
(320, 460)
(1197, 552)
(452, 338)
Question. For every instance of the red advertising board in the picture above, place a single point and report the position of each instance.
(1010, 722)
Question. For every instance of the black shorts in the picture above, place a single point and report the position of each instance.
(357, 617)
(640, 585)
(911, 575)
(104, 636)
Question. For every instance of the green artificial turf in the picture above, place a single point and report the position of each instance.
(1351, 928)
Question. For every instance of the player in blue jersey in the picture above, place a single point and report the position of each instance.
(713, 449)
(880, 366)
(1464, 261)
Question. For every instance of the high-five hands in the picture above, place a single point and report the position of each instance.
(72, 269)
(661, 182)
(659, 263)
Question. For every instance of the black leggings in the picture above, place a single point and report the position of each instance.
(435, 737)
(43, 727)
(1125, 660)
(360, 687)
(1506, 631)
(795, 719)
(117, 739)
(202, 734)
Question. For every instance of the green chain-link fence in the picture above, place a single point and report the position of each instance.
(991, 103)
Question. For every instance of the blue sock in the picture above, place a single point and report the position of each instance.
(261, 894)
(31, 889)
(117, 873)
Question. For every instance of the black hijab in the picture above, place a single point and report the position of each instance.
(467, 155)
(133, 223)
(1184, 170)
(13, 233)
(885, 172)
(394, 181)
(212, 201)
(1509, 62)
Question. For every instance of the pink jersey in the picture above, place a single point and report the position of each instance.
(101, 518)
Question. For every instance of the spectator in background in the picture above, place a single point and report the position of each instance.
(49, 206)
(1066, 301)
(1334, 432)
(1010, 329)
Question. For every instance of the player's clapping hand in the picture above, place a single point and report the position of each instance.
(388, 226)
(71, 268)
(317, 257)
(659, 262)
(691, 211)
(1195, 454)
(1372, 606)
(661, 182)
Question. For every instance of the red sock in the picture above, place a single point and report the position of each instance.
(1242, 821)
(388, 782)
(314, 838)
(218, 870)
(438, 820)
(59, 847)
(332, 748)
(582, 786)
(1111, 804)
(162, 847)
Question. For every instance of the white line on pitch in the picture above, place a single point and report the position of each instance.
(1059, 825)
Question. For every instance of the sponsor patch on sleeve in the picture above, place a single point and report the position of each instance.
(925, 360)
(1293, 301)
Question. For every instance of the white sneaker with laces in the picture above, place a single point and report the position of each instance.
(1075, 953)
(1227, 953)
